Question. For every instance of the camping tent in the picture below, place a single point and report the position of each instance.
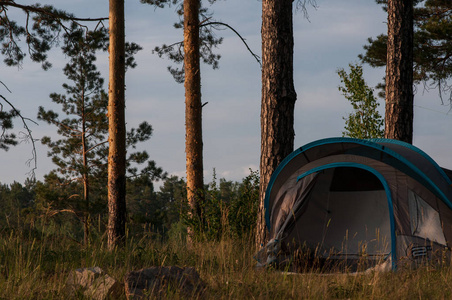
(376, 201)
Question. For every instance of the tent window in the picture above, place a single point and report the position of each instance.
(425, 221)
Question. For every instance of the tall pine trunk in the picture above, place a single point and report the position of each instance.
(85, 176)
(193, 108)
(399, 72)
(117, 128)
(278, 96)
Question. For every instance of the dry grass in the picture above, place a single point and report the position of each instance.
(36, 267)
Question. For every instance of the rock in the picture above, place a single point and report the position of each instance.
(104, 287)
(84, 277)
(157, 281)
(94, 283)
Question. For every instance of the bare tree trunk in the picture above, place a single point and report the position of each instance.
(86, 220)
(278, 96)
(399, 71)
(117, 128)
(85, 173)
(193, 108)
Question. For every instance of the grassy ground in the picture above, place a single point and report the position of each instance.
(36, 266)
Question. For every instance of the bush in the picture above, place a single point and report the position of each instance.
(228, 209)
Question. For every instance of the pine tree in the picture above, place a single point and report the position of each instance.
(278, 96)
(432, 46)
(197, 45)
(117, 128)
(208, 41)
(193, 109)
(41, 31)
(84, 131)
(82, 153)
(399, 72)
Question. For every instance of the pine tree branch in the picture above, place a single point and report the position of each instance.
(36, 9)
(5, 86)
(70, 129)
(95, 146)
(29, 135)
(238, 34)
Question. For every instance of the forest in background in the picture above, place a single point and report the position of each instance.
(230, 208)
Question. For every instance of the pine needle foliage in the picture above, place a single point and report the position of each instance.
(207, 37)
(432, 46)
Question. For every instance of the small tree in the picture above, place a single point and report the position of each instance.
(42, 29)
(365, 122)
(78, 153)
(81, 155)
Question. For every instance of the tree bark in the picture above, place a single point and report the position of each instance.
(278, 96)
(117, 128)
(399, 72)
(193, 107)
(85, 176)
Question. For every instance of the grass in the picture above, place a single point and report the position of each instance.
(35, 266)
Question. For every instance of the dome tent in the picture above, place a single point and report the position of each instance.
(369, 202)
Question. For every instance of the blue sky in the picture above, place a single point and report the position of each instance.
(331, 39)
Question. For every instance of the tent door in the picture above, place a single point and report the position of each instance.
(345, 216)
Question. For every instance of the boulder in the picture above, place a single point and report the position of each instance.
(84, 276)
(158, 281)
(94, 283)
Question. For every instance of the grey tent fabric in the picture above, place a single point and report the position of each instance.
(350, 200)
(289, 202)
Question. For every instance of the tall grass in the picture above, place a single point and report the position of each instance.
(35, 265)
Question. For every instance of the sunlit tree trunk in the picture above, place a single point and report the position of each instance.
(278, 95)
(193, 108)
(117, 128)
(399, 71)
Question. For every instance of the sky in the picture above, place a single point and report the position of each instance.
(330, 38)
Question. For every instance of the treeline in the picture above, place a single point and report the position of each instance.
(54, 207)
